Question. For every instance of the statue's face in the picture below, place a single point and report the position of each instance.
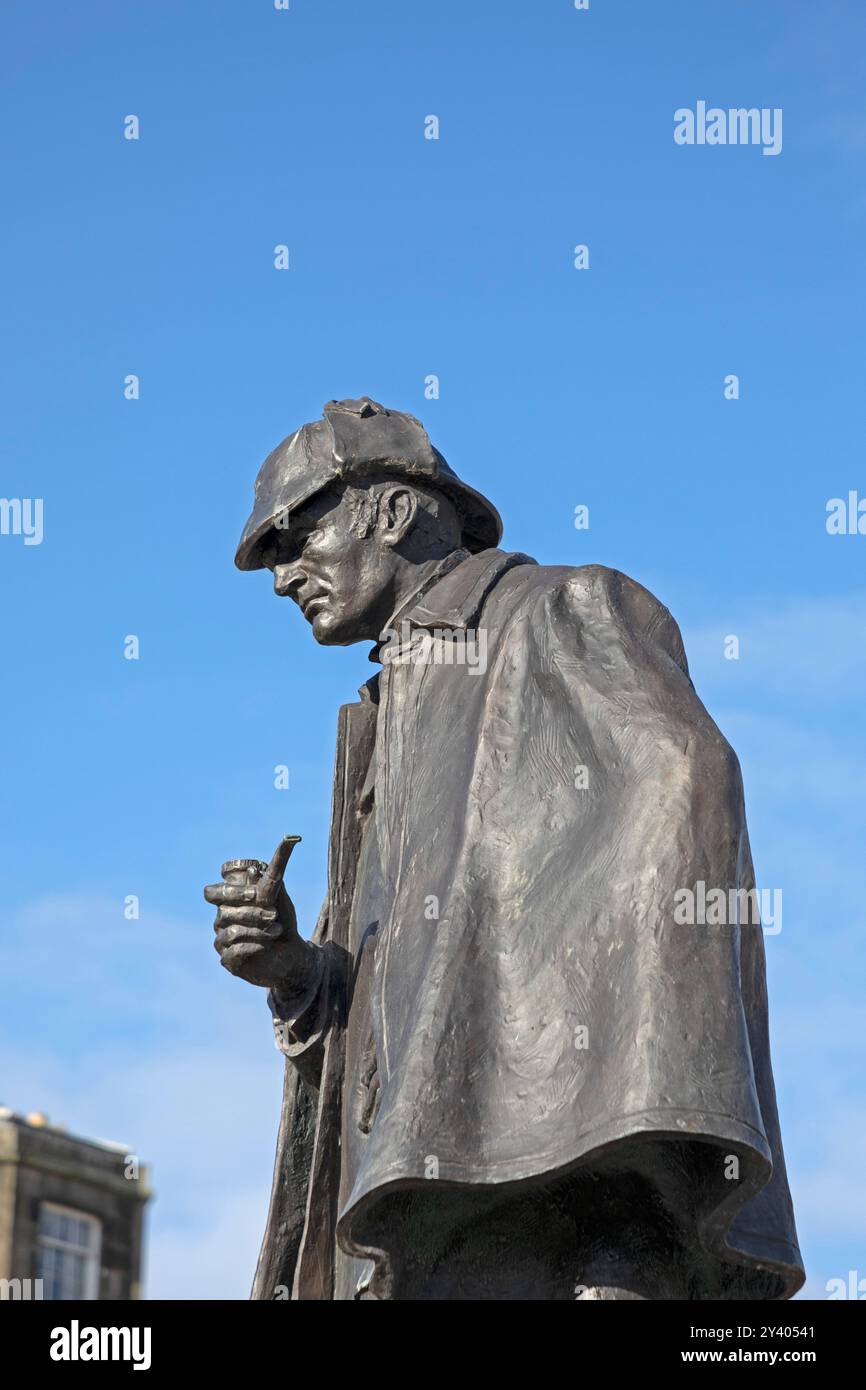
(341, 581)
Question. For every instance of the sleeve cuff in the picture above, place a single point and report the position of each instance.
(300, 1020)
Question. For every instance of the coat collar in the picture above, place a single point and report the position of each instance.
(454, 599)
(431, 581)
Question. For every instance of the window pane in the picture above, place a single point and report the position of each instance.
(67, 1246)
(75, 1276)
(48, 1222)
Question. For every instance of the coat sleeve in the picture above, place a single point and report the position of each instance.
(301, 1025)
(296, 1138)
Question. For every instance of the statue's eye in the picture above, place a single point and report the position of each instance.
(289, 546)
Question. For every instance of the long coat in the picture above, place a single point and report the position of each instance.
(531, 996)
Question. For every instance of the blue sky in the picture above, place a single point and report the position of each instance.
(558, 387)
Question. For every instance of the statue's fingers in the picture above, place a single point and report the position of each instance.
(219, 893)
(241, 936)
(238, 957)
(271, 879)
(244, 917)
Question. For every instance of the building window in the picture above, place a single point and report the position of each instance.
(68, 1253)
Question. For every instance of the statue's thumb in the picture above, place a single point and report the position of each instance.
(273, 876)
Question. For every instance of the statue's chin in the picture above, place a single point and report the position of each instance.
(330, 631)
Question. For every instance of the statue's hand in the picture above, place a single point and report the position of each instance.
(256, 926)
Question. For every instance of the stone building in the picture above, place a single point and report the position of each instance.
(71, 1213)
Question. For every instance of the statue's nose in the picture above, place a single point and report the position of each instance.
(286, 580)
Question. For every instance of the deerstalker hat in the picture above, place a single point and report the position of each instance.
(355, 439)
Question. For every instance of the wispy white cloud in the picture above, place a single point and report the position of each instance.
(149, 1043)
(796, 652)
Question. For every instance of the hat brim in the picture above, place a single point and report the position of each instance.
(480, 521)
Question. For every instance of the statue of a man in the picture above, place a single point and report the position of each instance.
(516, 1066)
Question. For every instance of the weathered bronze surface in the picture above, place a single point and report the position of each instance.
(512, 1070)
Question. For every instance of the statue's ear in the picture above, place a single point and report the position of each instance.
(398, 507)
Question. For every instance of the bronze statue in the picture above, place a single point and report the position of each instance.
(513, 1070)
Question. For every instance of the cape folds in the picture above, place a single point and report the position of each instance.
(553, 805)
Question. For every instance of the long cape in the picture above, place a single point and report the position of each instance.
(555, 807)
